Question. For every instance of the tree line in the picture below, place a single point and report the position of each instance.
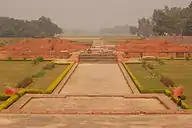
(43, 27)
(166, 21)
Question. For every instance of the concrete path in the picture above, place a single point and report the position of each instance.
(103, 79)
(87, 121)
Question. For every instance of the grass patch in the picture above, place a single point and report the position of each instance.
(145, 79)
(180, 71)
(12, 72)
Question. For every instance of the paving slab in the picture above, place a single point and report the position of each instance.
(87, 121)
(97, 79)
(91, 104)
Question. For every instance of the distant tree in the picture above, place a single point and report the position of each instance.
(43, 27)
(145, 27)
(133, 30)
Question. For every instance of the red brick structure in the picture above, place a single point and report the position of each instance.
(47, 48)
(160, 48)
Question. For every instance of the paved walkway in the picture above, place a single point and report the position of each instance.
(99, 79)
(86, 121)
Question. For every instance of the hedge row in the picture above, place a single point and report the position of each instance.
(134, 79)
(11, 99)
(58, 80)
(31, 91)
(176, 99)
(9, 102)
(4, 97)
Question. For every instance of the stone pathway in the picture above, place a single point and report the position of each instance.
(99, 79)
(87, 121)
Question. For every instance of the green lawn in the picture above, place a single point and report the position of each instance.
(12, 72)
(180, 71)
(143, 76)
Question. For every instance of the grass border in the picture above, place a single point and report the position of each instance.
(10, 99)
(166, 91)
(136, 82)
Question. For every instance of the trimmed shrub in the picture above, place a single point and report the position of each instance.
(161, 62)
(58, 80)
(168, 93)
(187, 58)
(24, 58)
(39, 74)
(31, 91)
(9, 102)
(40, 58)
(150, 66)
(25, 82)
(4, 97)
(9, 58)
(152, 91)
(49, 66)
(35, 61)
(157, 59)
(184, 105)
(183, 97)
(167, 81)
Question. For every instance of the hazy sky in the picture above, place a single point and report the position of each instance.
(85, 14)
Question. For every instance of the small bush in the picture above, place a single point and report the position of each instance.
(9, 58)
(157, 59)
(35, 61)
(150, 66)
(31, 91)
(9, 101)
(184, 105)
(40, 58)
(25, 82)
(171, 57)
(161, 62)
(49, 66)
(167, 81)
(187, 58)
(168, 93)
(24, 58)
(39, 74)
(183, 97)
(3, 97)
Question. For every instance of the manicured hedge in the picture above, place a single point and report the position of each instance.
(58, 80)
(4, 97)
(9, 102)
(176, 99)
(184, 105)
(168, 93)
(138, 85)
(11, 99)
(31, 91)
(136, 82)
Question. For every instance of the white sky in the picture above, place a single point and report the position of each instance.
(85, 14)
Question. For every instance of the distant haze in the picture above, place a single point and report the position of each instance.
(85, 14)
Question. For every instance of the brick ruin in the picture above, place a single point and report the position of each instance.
(47, 48)
(158, 48)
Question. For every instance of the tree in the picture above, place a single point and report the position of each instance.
(133, 30)
(145, 27)
(43, 27)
